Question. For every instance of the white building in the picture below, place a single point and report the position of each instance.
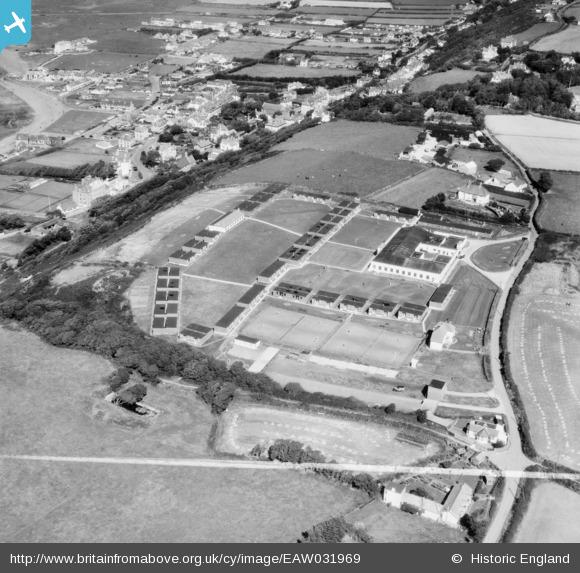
(474, 195)
(442, 337)
(167, 151)
(489, 53)
(227, 221)
(488, 434)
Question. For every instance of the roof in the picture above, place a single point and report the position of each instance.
(441, 293)
(409, 308)
(475, 190)
(326, 296)
(207, 233)
(251, 294)
(195, 330)
(356, 301)
(272, 269)
(384, 305)
(250, 339)
(230, 316)
(441, 331)
(438, 384)
(228, 219)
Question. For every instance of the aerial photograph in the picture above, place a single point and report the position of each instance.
(290, 271)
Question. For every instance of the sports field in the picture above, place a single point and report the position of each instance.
(243, 252)
(499, 257)
(564, 42)
(552, 516)
(342, 257)
(539, 142)
(76, 120)
(344, 441)
(560, 207)
(366, 232)
(360, 284)
(433, 81)
(296, 216)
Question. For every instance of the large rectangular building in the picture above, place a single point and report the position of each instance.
(227, 221)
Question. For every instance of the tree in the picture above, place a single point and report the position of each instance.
(132, 395)
(390, 409)
(494, 164)
(545, 181)
(421, 416)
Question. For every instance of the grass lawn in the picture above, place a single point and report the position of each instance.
(76, 120)
(536, 31)
(296, 216)
(564, 42)
(560, 207)
(68, 159)
(342, 256)
(250, 47)
(103, 62)
(43, 502)
(279, 71)
(331, 172)
(37, 200)
(366, 232)
(551, 516)
(498, 258)
(433, 81)
(243, 252)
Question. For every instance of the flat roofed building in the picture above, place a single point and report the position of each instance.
(207, 236)
(292, 292)
(253, 296)
(411, 312)
(195, 246)
(248, 206)
(181, 257)
(351, 303)
(168, 272)
(196, 334)
(247, 341)
(294, 254)
(166, 309)
(441, 297)
(321, 229)
(272, 272)
(324, 299)
(164, 325)
(307, 241)
(227, 221)
(382, 308)
(436, 390)
(230, 320)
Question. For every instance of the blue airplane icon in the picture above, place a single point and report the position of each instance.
(15, 22)
(18, 23)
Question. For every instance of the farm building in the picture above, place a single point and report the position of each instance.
(324, 299)
(441, 297)
(227, 221)
(253, 296)
(411, 312)
(351, 303)
(230, 320)
(196, 334)
(442, 337)
(382, 308)
(418, 253)
(291, 292)
(474, 195)
(436, 390)
(272, 272)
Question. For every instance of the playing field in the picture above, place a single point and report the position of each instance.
(37, 200)
(539, 142)
(564, 42)
(366, 232)
(360, 284)
(296, 216)
(342, 257)
(433, 81)
(415, 190)
(551, 516)
(76, 121)
(560, 207)
(499, 257)
(243, 252)
(242, 427)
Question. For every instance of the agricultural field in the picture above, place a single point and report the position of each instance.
(332, 171)
(343, 257)
(360, 284)
(551, 516)
(433, 81)
(380, 140)
(365, 232)
(279, 71)
(344, 441)
(67, 159)
(498, 257)
(295, 216)
(543, 342)
(243, 252)
(389, 525)
(98, 503)
(76, 120)
(540, 143)
(564, 42)
(536, 31)
(560, 207)
(415, 190)
(250, 47)
(37, 200)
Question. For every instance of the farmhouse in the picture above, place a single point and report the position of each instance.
(196, 334)
(442, 336)
(474, 195)
(272, 272)
(291, 292)
(351, 303)
(227, 221)
(230, 320)
(324, 299)
(441, 297)
(417, 253)
(382, 308)
(487, 434)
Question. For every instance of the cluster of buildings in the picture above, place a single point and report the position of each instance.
(72, 46)
(167, 298)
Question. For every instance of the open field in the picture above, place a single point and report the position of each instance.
(242, 252)
(296, 216)
(551, 516)
(564, 42)
(76, 120)
(380, 140)
(536, 31)
(560, 207)
(342, 256)
(13, 246)
(360, 284)
(389, 525)
(279, 71)
(433, 81)
(103, 62)
(332, 171)
(498, 258)
(67, 159)
(205, 301)
(249, 47)
(481, 157)
(345, 441)
(37, 200)
(543, 342)
(92, 503)
(540, 143)
(366, 232)
(414, 191)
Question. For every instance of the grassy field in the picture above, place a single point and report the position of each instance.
(250, 47)
(205, 301)
(540, 143)
(380, 140)
(481, 157)
(77, 120)
(413, 192)
(342, 256)
(296, 216)
(551, 516)
(279, 71)
(67, 159)
(564, 42)
(543, 342)
(13, 246)
(361, 284)
(37, 200)
(95, 503)
(498, 258)
(536, 31)
(242, 427)
(560, 208)
(243, 252)
(389, 525)
(433, 81)
(365, 232)
(332, 171)
(103, 62)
